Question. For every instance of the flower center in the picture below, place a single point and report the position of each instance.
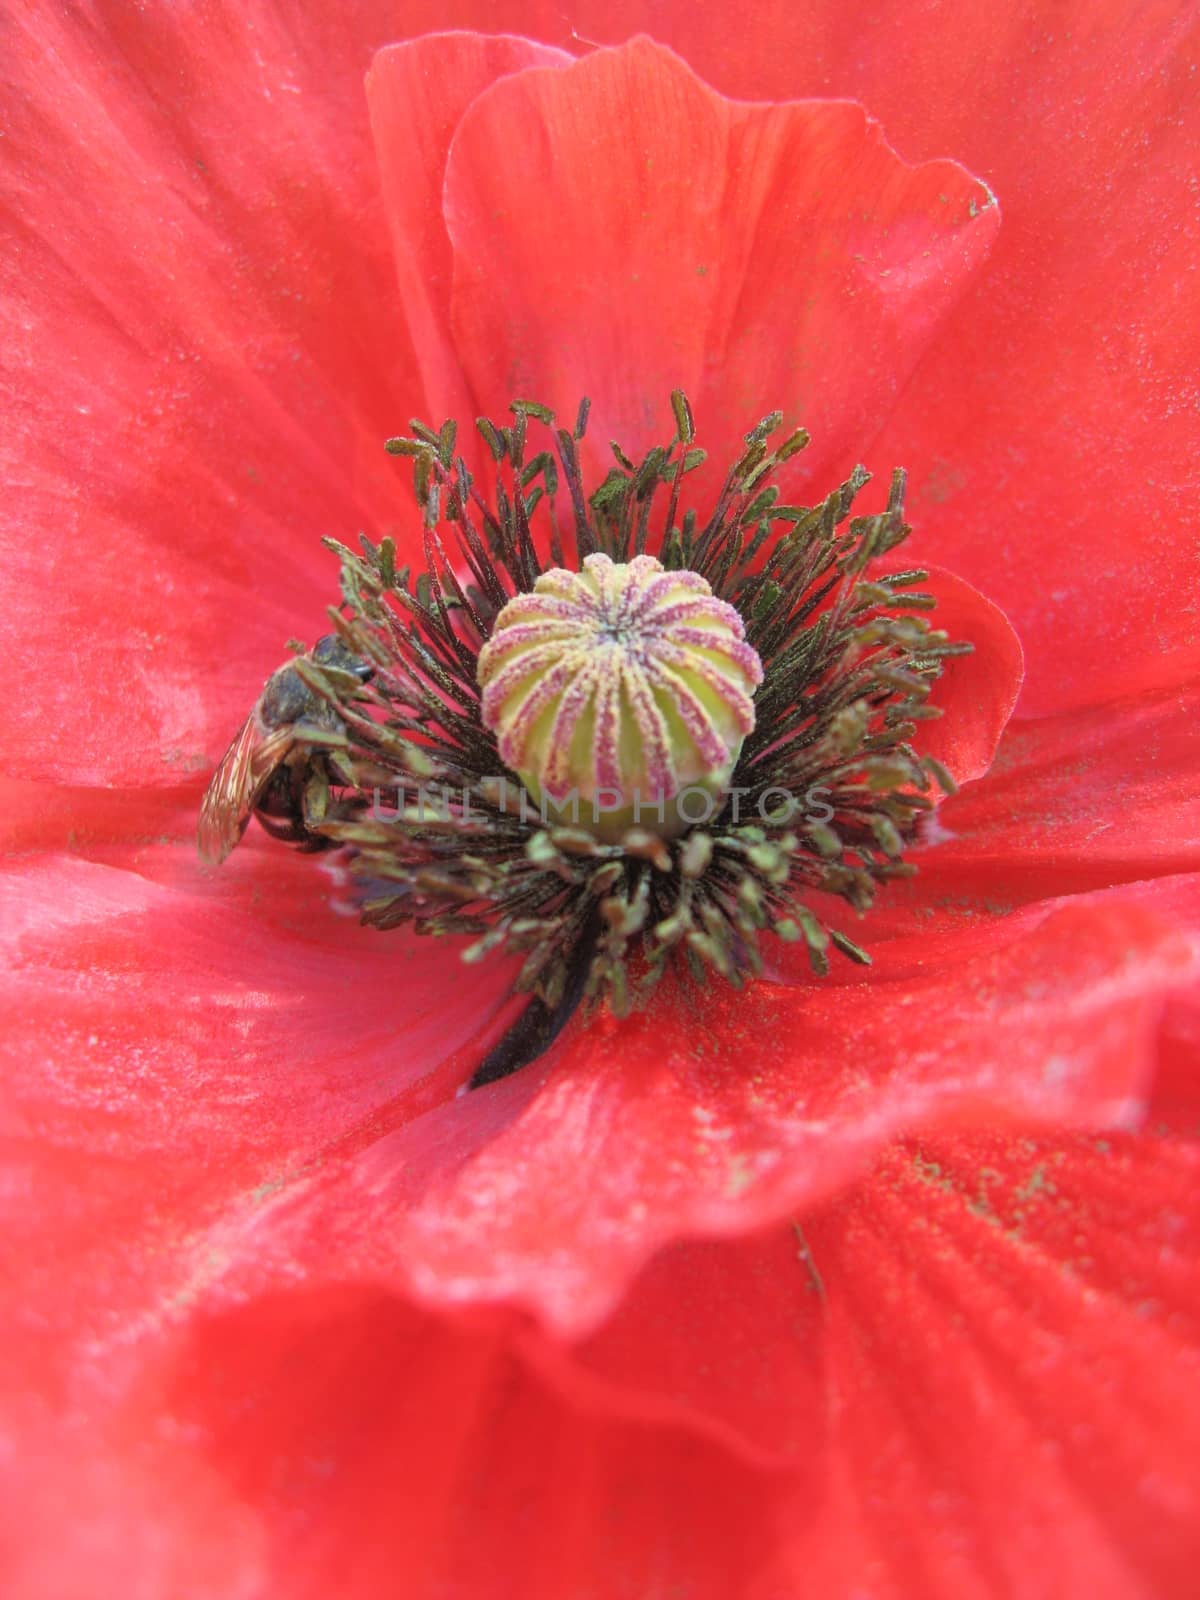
(712, 736)
(620, 695)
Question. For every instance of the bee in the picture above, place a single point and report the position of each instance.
(270, 770)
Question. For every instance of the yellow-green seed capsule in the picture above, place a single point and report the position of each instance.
(621, 694)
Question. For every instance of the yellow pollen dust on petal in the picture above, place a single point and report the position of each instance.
(620, 695)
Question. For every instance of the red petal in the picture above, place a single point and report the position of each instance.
(723, 1336)
(1176, 1100)
(335, 1441)
(954, 84)
(212, 1044)
(552, 1188)
(417, 93)
(1013, 1347)
(207, 354)
(976, 693)
(1052, 433)
(752, 256)
(178, 1052)
(999, 1341)
(1081, 800)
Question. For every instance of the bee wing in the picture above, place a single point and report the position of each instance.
(237, 786)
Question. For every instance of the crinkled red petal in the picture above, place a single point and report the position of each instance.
(752, 256)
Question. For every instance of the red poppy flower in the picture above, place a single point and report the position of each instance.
(882, 1282)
